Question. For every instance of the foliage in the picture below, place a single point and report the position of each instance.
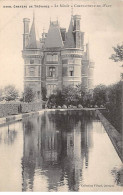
(56, 99)
(115, 96)
(100, 95)
(85, 97)
(118, 55)
(114, 105)
(70, 96)
(10, 93)
(29, 94)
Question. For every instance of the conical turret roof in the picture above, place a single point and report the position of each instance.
(70, 42)
(32, 37)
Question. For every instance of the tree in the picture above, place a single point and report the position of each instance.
(116, 94)
(114, 105)
(100, 95)
(29, 94)
(10, 93)
(70, 95)
(118, 55)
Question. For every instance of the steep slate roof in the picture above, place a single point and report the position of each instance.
(54, 38)
(70, 42)
(32, 37)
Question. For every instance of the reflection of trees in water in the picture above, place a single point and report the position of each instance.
(64, 121)
(57, 143)
(118, 176)
(28, 170)
(67, 120)
(29, 127)
(10, 136)
(30, 152)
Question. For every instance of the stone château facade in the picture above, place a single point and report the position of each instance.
(58, 59)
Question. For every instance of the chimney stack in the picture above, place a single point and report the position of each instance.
(76, 30)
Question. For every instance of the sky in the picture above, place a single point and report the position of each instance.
(103, 29)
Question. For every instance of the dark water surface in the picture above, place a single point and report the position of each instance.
(58, 151)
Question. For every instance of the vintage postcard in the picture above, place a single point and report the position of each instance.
(61, 86)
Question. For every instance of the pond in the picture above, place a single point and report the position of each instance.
(58, 151)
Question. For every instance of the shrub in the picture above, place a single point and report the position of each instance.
(10, 93)
(64, 106)
(59, 107)
(80, 106)
(29, 94)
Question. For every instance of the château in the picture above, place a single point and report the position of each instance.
(59, 58)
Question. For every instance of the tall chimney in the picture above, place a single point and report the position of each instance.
(76, 31)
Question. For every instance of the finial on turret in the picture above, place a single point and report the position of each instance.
(33, 15)
(71, 11)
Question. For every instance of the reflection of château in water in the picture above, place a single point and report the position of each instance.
(58, 152)
(58, 58)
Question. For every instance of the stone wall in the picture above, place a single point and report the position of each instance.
(113, 134)
(8, 109)
(31, 107)
(17, 108)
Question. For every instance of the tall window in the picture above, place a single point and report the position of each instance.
(31, 61)
(71, 71)
(52, 72)
(32, 71)
(51, 89)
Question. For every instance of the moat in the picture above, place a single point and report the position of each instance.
(58, 151)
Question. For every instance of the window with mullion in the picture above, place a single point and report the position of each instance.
(52, 72)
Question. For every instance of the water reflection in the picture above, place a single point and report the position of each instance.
(9, 135)
(57, 144)
(58, 151)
